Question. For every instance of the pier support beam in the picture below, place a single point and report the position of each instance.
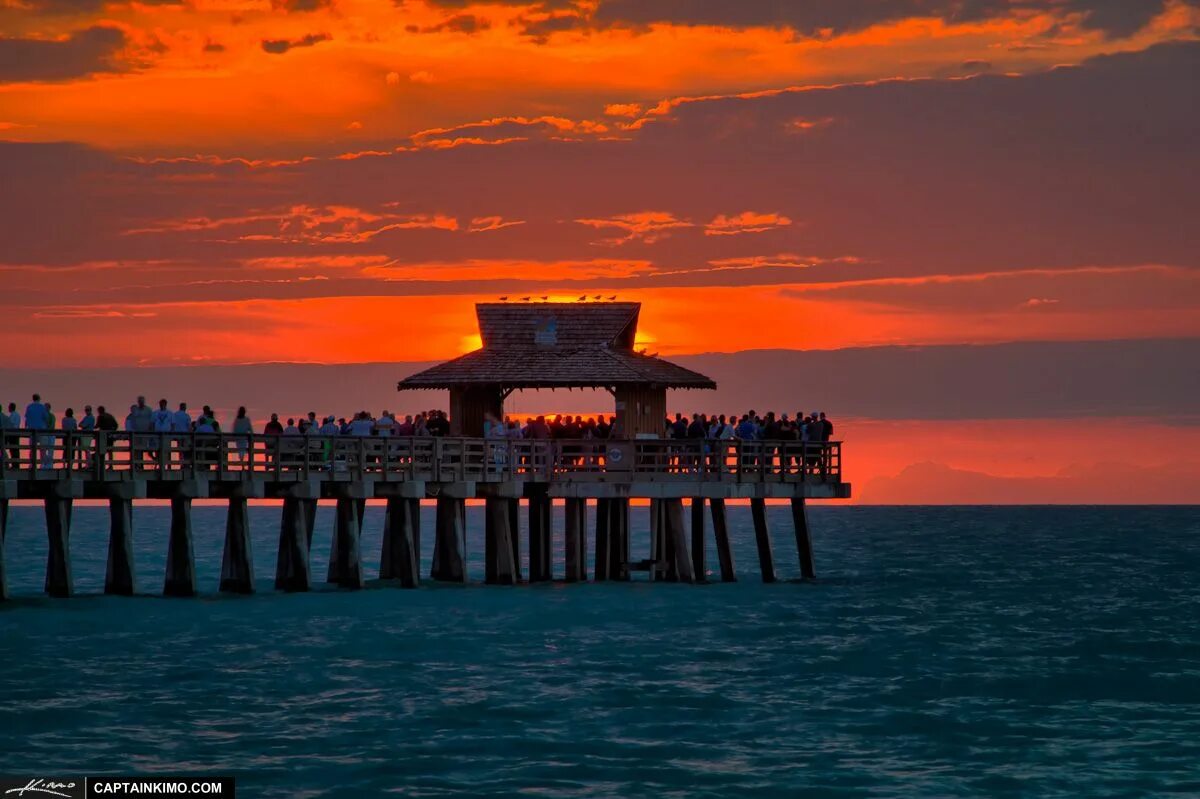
(514, 529)
(181, 560)
(309, 507)
(658, 542)
(119, 576)
(575, 540)
(499, 568)
(541, 535)
(678, 538)
(3, 533)
(618, 534)
(762, 537)
(449, 546)
(699, 563)
(401, 557)
(803, 539)
(237, 563)
(721, 536)
(345, 556)
(58, 557)
(603, 538)
(292, 567)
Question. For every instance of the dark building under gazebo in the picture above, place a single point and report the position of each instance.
(558, 345)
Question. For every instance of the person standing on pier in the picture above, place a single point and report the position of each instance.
(14, 423)
(37, 417)
(86, 425)
(181, 421)
(243, 429)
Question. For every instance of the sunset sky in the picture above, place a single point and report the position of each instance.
(220, 182)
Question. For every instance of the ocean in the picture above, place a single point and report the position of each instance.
(958, 651)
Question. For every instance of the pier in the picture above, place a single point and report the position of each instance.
(57, 469)
(528, 346)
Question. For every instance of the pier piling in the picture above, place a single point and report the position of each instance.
(575, 540)
(345, 555)
(721, 536)
(449, 547)
(540, 537)
(237, 562)
(498, 550)
(181, 558)
(292, 567)
(803, 539)
(401, 557)
(119, 575)
(699, 563)
(681, 561)
(603, 556)
(58, 556)
(3, 533)
(762, 537)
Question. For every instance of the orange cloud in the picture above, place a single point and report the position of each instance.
(745, 222)
(644, 226)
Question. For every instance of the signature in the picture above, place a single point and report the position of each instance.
(40, 786)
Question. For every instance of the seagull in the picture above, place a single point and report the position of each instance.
(581, 299)
(613, 297)
(526, 299)
(504, 299)
(596, 297)
(545, 297)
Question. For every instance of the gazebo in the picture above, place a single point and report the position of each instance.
(558, 345)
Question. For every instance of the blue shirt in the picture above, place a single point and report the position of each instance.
(747, 431)
(36, 416)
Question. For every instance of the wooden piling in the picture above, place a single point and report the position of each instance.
(345, 556)
(803, 538)
(58, 557)
(658, 541)
(681, 560)
(309, 507)
(498, 550)
(575, 540)
(292, 568)
(237, 562)
(699, 563)
(119, 575)
(762, 537)
(618, 534)
(181, 559)
(401, 557)
(514, 529)
(3, 533)
(721, 536)
(541, 536)
(603, 535)
(449, 545)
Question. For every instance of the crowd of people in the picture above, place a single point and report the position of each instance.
(749, 426)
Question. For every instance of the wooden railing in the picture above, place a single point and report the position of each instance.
(55, 454)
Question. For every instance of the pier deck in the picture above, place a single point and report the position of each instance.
(57, 468)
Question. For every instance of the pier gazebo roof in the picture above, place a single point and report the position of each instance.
(557, 345)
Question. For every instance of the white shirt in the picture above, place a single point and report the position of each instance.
(181, 422)
(329, 429)
(361, 427)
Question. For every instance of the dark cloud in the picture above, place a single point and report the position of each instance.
(82, 53)
(818, 17)
(291, 6)
(280, 46)
(459, 23)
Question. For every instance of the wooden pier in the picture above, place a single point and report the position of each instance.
(58, 468)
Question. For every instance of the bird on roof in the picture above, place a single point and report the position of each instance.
(545, 297)
(596, 297)
(613, 297)
(526, 299)
(504, 299)
(581, 299)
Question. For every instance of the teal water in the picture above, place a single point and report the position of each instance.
(992, 652)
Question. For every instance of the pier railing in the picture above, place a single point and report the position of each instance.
(103, 456)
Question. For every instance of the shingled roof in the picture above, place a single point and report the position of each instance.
(557, 345)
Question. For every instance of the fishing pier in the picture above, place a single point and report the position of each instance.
(527, 346)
